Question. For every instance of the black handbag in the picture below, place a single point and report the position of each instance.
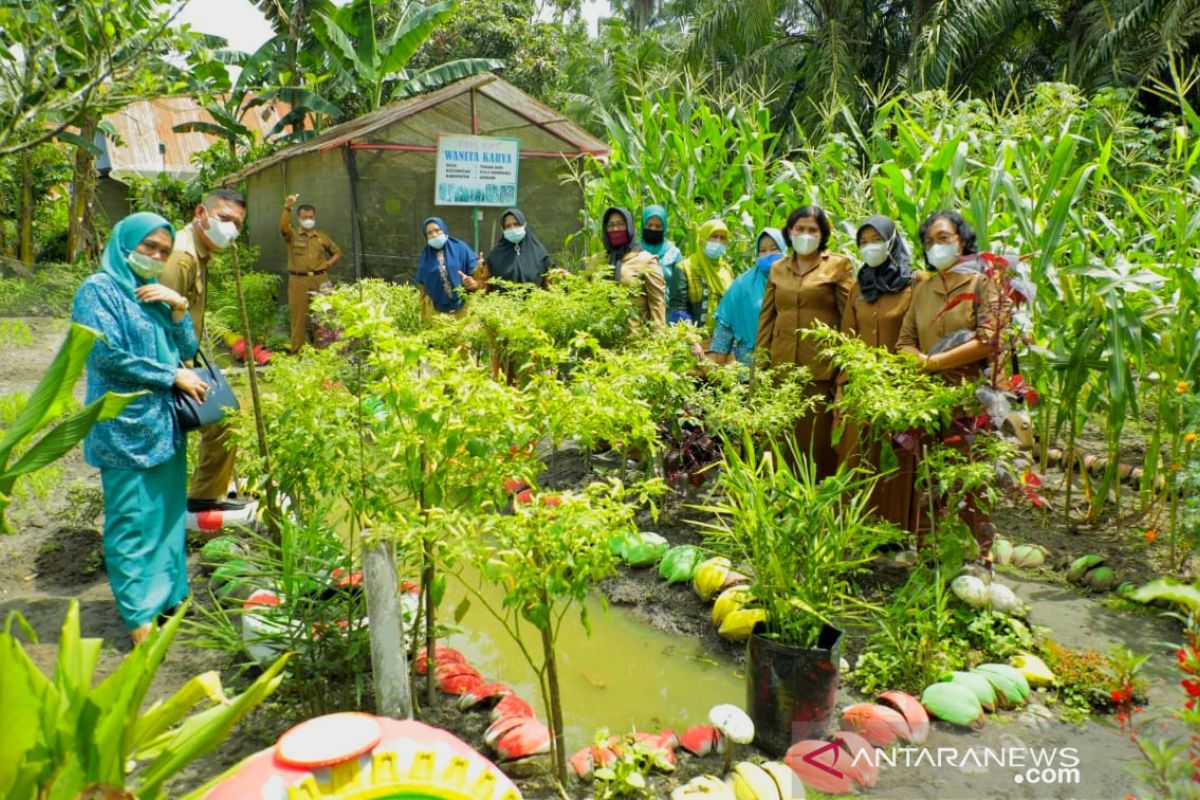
(218, 400)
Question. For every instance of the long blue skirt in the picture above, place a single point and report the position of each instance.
(145, 511)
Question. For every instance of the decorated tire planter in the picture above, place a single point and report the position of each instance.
(791, 692)
(353, 756)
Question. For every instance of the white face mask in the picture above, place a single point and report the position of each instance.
(942, 256)
(308, 224)
(144, 266)
(219, 232)
(805, 244)
(874, 253)
(437, 242)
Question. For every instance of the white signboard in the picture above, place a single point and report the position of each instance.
(477, 171)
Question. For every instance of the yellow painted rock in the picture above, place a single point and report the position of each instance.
(729, 601)
(739, 624)
(704, 787)
(1034, 669)
(752, 782)
(710, 577)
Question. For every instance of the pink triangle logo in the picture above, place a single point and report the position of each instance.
(811, 758)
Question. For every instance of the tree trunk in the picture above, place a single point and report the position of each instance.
(388, 667)
(428, 575)
(25, 214)
(81, 226)
(558, 743)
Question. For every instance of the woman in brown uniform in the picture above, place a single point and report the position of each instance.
(808, 286)
(628, 264)
(950, 249)
(880, 297)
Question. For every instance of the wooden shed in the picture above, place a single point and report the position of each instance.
(372, 179)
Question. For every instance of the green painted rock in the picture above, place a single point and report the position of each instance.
(644, 549)
(1010, 684)
(679, 563)
(979, 685)
(1081, 565)
(1101, 579)
(221, 549)
(953, 702)
(228, 576)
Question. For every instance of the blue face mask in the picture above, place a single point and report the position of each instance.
(714, 250)
(515, 235)
(764, 262)
(437, 242)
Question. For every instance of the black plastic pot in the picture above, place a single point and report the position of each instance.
(791, 692)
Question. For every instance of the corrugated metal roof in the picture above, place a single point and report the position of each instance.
(141, 126)
(576, 138)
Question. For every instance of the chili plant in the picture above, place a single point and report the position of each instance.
(546, 555)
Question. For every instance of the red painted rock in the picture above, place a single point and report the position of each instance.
(498, 729)
(441, 655)
(514, 485)
(528, 737)
(829, 766)
(239, 349)
(879, 725)
(701, 740)
(512, 706)
(862, 768)
(457, 679)
(913, 712)
(583, 763)
(485, 694)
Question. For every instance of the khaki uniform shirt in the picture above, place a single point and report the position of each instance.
(187, 273)
(925, 324)
(640, 270)
(796, 299)
(878, 323)
(307, 250)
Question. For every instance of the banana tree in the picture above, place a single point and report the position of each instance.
(65, 738)
(371, 70)
(48, 403)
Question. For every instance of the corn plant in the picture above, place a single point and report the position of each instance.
(49, 404)
(67, 736)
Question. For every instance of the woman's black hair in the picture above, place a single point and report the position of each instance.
(966, 234)
(815, 212)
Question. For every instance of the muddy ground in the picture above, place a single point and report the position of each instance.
(56, 556)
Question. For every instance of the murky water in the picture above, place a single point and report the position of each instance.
(625, 676)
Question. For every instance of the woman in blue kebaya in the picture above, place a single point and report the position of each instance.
(737, 314)
(141, 454)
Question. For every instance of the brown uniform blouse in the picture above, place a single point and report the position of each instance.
(796, 299)
(640, 270)
(925, 325)
(878, 323)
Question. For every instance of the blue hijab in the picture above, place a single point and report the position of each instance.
(114, 262)
(459, 258)
(740, 307)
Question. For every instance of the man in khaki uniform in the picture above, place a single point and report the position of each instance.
(216, 223)
(311, 254)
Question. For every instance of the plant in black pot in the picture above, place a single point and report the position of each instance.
(805, 541)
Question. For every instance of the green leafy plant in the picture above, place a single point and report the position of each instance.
(47, 405)
(69, 735)
(626, 775)
(546, 555)
(320, 616)
(804, 540)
